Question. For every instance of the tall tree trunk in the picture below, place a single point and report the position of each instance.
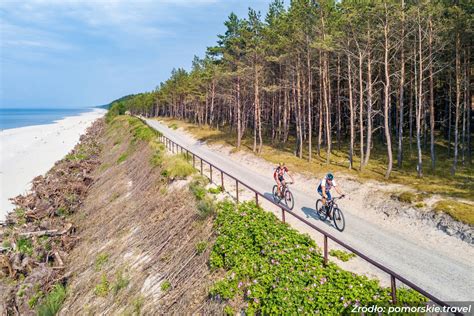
(410, 105)
(387, 97)
(432, 113)
(351, 109)
(310, 83)
(320, 114)
(298, 105)
(458, 103)
(338, 101)
(420, 98)
(326, 108)
(213, 97)
(468, 105)
(401, 90)
(361, 112)
(239, 116)
(369, 107)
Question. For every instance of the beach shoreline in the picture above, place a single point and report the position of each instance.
(30, 151)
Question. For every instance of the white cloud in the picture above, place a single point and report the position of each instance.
(42, 23)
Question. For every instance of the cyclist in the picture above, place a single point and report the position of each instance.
(325, 186)
(279, 176)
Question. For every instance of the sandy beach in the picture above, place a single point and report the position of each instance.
(27, 152)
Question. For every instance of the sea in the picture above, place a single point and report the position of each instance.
(14, 118)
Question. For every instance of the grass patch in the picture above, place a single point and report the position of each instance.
(173, 126)
(274, 269)
(201, 247)
(157, 158)
(24, 246)
(114, 196)
(141, 131)
(216, 190)
(135, 306)
(34, 300)
(80, 153)
(102, 289)
(409, 197)
(104, 167)
(177, 167)
(342, 255)
(165, 286)
(52, 302)
(20, 215)
(122, 158)
(100, 261)
(462, 212)
(120, 282)
(63, 211)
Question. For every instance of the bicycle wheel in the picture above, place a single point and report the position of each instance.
(338, 219)
(289, 200)
(275, 193)
(319, 209)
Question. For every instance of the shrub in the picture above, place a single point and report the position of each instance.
(53, 301)
(24, 246)
(101, 261)
(197, 187)
(102, 289)
(165, 286)
(201, 247)
(206, 208)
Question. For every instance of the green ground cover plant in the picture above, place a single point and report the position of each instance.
(341, 254)
(276, 270)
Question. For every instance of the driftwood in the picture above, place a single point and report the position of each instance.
(48, 232)
(52, 232)
(58, 259)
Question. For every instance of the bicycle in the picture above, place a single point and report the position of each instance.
(287, 196)
(333, 211)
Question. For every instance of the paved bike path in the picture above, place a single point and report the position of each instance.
(443, 276)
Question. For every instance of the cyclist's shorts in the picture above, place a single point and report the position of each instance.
(281, 178)
(328, 194)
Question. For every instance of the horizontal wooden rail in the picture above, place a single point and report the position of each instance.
(170, 144)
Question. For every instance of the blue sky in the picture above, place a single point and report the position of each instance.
(71, 53)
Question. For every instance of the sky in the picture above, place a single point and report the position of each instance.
(73, 54)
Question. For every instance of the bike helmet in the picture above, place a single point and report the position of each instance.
(329, 176)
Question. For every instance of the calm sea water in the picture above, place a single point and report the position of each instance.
(13, 118)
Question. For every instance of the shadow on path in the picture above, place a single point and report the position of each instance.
(311, 213)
